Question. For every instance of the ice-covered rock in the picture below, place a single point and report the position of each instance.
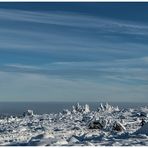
(118, 126)
(28, 113)
(97, 124)
(143, 129)
(144, 114)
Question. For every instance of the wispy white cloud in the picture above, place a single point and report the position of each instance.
(21, 66)
(127, 70)
(75, 20)
(37, 86)
(83, 33)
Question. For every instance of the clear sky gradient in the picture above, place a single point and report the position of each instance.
(74, 52)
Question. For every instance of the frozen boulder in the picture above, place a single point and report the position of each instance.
(118, 127)
(144, 114)
(28, 113)
(143, 129)
(97, 124)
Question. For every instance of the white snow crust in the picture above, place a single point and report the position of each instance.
(110, 126)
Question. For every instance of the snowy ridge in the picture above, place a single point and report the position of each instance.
(107, 125)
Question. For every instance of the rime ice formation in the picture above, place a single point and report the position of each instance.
(107, 126)
(107, 108)
(81, 109)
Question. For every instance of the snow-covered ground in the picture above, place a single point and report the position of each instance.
(107, 126)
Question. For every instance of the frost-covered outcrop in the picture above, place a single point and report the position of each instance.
(97, 123)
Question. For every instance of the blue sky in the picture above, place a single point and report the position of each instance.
(74, 52)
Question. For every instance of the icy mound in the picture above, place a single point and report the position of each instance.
(143, 129)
